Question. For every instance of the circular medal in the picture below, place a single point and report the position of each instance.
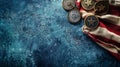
(101, 7)
(68, 4)
(88, 4)
(91, 22)
(74, 16)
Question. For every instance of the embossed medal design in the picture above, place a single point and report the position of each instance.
(74, 16)
(88, 4)
(68, 4)
(91, 21)
(101, 7)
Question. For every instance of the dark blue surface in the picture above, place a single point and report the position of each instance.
(36, 33)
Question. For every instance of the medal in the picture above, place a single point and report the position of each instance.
(88, 4)
(74, 16)
(68, 4)
(101, 7)
(91, 22)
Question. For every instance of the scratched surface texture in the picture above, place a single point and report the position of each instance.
(36, 33)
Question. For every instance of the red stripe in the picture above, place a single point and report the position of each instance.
(117, 55)
(111, 27)
(78, 4)
(114, 10)
(106, 40)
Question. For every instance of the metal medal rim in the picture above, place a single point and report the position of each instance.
(85, 7)
(75, 9)
(68, 9)
(86, 22)
(103, 13)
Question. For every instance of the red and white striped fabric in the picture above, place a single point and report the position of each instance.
(107, 35)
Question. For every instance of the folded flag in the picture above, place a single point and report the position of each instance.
(107, 34)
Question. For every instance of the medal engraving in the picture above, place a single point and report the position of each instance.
(74, 16)
(101, 7)
(91, 22)
(68, 4)
(88, 4)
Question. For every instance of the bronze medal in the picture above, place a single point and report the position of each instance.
(91, 22)
(101, 7)
(74, 16)
(88, 4)
(68, 4)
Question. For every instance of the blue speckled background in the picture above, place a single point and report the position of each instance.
(36, 33)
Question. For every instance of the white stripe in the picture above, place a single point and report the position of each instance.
(115, 3)
(112, 19)
(109, 47)
(78, 0)
(104, 33)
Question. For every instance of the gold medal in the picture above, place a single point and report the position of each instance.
(101, 7)
(88, 4)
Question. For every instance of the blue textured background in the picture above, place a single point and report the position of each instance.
(36, 33)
